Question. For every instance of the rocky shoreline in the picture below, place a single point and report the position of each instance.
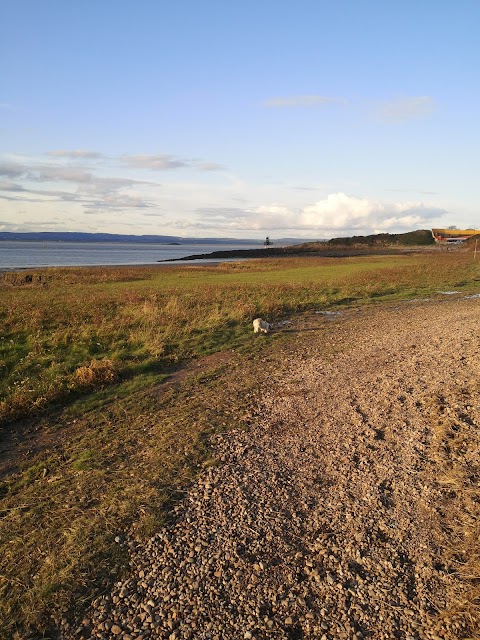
(235, 253)
(291, 251)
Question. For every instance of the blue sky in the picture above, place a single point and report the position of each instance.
(308, 119)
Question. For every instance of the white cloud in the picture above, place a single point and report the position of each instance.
(343, 212)
(74, 184)
(165, 162)
(77, 153)
(157, 162)
(338, 214)
(117, 202)
(301, 101)
(406, 108)
(338, 211)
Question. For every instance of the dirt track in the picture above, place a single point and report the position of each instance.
(344, 511)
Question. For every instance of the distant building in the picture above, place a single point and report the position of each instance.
(267, 243)
(453, 236)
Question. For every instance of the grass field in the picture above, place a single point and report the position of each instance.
(65, 332)
(82, 352)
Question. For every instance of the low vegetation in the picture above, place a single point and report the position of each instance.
(96, 445)
(66, 331)
(411, 238)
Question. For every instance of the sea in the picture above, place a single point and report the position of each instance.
(25, 255)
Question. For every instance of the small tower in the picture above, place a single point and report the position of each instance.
(267, 243)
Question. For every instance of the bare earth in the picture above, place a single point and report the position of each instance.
(346, 510)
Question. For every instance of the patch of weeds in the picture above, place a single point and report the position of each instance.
(86, 460)
(95, 401)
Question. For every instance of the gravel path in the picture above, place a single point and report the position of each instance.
(324, 519)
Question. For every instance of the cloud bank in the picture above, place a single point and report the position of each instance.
(337, 214)
(73, 182)
(159, 162)
(165, 162)
(77, 153)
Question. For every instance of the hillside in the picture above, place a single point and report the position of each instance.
(77, 236)
(419, 237)
(334, 248)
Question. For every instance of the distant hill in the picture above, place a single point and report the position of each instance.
(411, 238)
(422, 237)
(77, 236)
(383, 243)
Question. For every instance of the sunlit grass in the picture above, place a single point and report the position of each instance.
(66, 331)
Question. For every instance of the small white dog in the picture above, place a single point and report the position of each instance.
(261, 326)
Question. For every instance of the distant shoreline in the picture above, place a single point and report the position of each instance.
(291, 251)
(117, 238)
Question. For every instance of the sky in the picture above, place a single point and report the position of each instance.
(306, 118)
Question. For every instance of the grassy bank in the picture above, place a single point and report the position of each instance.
(101, 447)
(66, 332)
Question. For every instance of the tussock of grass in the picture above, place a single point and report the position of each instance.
(94, 374)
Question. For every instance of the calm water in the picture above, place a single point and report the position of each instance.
(69, 254)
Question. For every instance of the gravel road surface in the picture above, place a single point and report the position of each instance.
(331, 516)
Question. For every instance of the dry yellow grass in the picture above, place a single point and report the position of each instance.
(93, 375)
